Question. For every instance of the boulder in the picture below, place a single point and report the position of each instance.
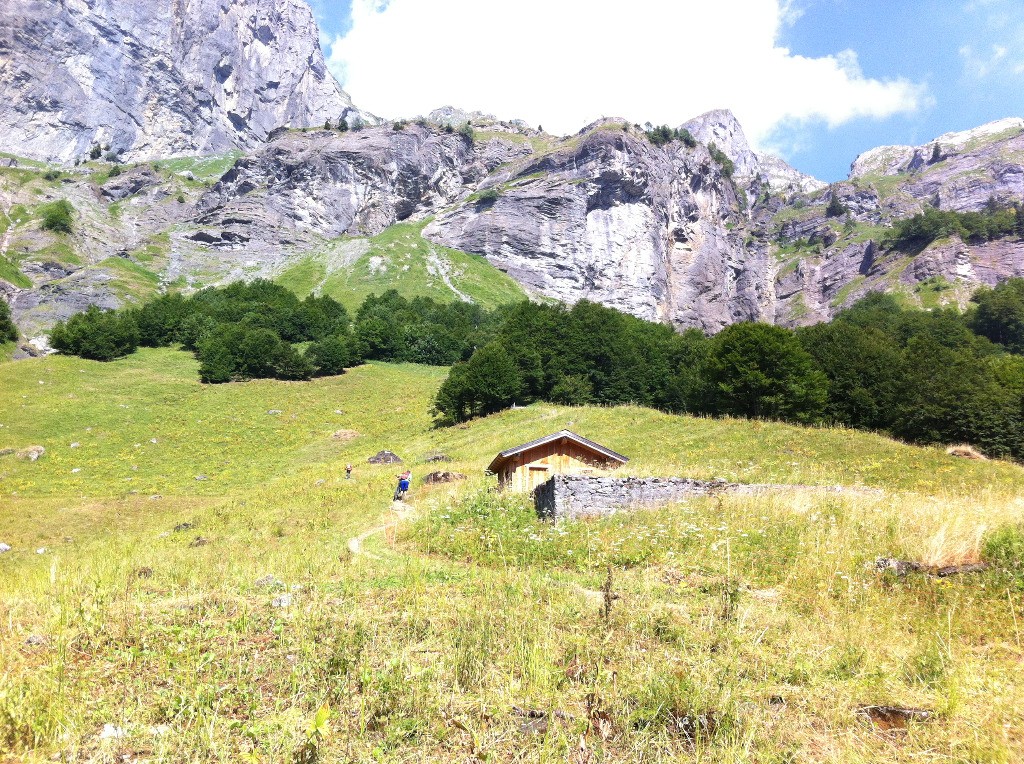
(443, 477)
(385, 457)
(32, 453)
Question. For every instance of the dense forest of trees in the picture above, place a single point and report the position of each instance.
(937, 376)
(254, 330)
(928, 377)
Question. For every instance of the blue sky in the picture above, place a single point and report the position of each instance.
(817, 81)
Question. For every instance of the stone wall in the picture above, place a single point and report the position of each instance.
(572, 496)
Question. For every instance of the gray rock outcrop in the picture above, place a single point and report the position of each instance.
(153, 79)
(612, 219)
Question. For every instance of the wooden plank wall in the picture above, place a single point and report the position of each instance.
(560, 458)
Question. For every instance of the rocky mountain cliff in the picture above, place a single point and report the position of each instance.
(663, 232)
(158, 78)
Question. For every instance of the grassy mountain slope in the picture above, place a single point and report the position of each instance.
(399, 258)
(759, 614)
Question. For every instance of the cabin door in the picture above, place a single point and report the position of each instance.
(536, 475)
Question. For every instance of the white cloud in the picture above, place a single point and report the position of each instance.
(565, 63)
(979, 66)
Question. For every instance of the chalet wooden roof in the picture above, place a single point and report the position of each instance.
(499, 461)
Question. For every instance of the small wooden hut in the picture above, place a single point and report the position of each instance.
(525, 467)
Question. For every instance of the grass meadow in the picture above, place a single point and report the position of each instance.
(199, 595)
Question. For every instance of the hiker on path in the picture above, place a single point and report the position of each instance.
(403, 484)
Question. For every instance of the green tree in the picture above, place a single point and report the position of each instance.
(865, 371)
(58, 216)
(96, 334)
(762, 371)
(835, 208)
(488, 382)
(999, 314)
(8, 331)
(572, 390)
(329, 356)
(216, 360)
(290, 364)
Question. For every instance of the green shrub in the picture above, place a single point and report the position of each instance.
(488, 196)
(114, 171)
(58, 216)
(466, 131)
(663, 134)
(329, 356)
(1004, 549)
(915, 233)
(8, 331)
(723, 161)
(95, 152)
(835, 208)
(96, 334)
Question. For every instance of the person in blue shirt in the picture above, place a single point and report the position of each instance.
(403, 485)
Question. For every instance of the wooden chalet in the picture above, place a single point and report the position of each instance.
(525, 467)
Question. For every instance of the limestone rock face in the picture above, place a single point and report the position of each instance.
(615, 220)
(970, 167)
(329, 183)
(723, 129)
(158, 78)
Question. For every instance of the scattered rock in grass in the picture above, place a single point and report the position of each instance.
(35, 640)
(112, 732)
(31, 453)
(269, 582)
(894, 717)
(897, 567)
(76, 470)
(536, 720)
(338, 411)
(953, 570)
(965, 451)
(274, 412)
(75, 445)
(904, 567)
(184, 527)
(285, 600)
(199, 541)
(41, 550)
(433, 458)
(5, 548)
(776, 700)
(692, 726)
(443, 477)
(321, 481)
(344, 435)
(155, 497)
(6, 451)
(144, 572)
(201, 477)
(385, 457)
(765, 595)
(152, 440)
(537, 726)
